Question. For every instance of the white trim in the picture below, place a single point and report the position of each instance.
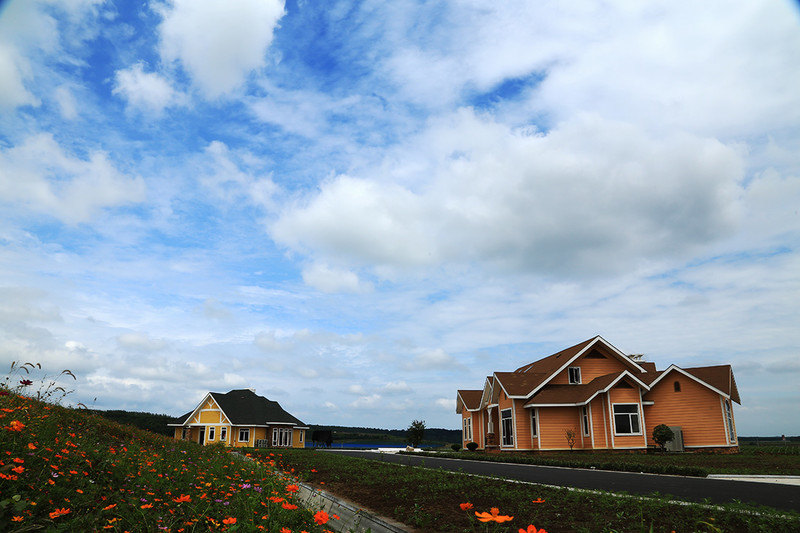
(500, 421)
(641, 414)
(591, 424)
(614, 350)
(580, 425)
(211, 433)
(514, 419)
(610, 386)
(531, 405)
(638, 413)
(611, 415)
(648, 402)
(535, 415)
(518, 450)
(465, 404)
(569, 381)
(688, 375)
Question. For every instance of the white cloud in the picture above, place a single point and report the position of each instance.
(140, 342)
(448, 404)
(40, 175)
(431, 360)
(67, 105)
(331, 280)
(14, 70)
(357, 390)
(233, 175)
(148, 91)
(367, 402)
(217, 43)
(396, 387)
(591, 196)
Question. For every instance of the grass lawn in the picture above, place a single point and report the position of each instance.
(430, 500)
(772, 460)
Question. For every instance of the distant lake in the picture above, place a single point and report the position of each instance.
(367, 445)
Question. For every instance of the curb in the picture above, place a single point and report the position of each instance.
(353, 520)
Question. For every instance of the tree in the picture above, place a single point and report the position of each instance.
(415, 432)
(570, 434)
(662, 434)
(455, 447)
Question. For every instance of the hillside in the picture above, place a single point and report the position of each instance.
(71, 470)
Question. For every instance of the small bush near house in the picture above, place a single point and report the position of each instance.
(472, 446)
(455, 447)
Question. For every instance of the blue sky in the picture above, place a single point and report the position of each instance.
(357, 208)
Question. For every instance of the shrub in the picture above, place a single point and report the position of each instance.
(455, 447)
(662, 434)
(472, 446)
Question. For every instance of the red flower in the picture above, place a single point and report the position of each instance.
(15, 425)
(182, 498)
(321, 517)
(288, 506)
(538, 500)
(59, 512)
(17, 519)
(495, 516)
(292, 488)
(147, 506)
(107, 507)
(286, 530)
(532, 529)
(229, 521)
(466, 506)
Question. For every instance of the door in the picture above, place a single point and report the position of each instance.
(202, 436)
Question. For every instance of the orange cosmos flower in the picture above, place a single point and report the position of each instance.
(495, 516)
(147, 506)
(321, 517)
(31, 446)
(286, 530)
(18, 469)
(532, 529)
(466, 506)
(182, 498)
(106, 508)
(292, 488)
(59, 512)
(17, 519)
(538, 500)
(288, 506)
(16, 425)
(229, 521)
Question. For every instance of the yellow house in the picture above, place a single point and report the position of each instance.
(240, 418)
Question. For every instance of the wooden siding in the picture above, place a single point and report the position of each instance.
(297, 441)
(522, 425)
(600, 418)
(503, 403)
(591, 368)
(552, 423)
(696, 409)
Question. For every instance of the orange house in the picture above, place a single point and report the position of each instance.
(603, 399)
(240, 418)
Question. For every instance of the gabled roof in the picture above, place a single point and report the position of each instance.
(519, 384)
(552, 395)
(244, 407)
(718, 378)
(470, 398)
(544, 370)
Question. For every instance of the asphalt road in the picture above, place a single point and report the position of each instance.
(680, 488)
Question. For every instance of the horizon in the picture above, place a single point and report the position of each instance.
(358, 208)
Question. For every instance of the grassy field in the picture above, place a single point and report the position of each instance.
(66, 470)
(773, 460)
(431, 501)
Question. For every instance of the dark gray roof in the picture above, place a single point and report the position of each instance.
(246, 408)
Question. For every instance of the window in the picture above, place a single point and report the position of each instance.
(729, 419)
(282, 436)
(244, 435)
(585, 417)
(677, 386)
(574, 374)
(185, 433)
(223, 433)
(210, 433)
(626, 419)
(507, 427)
(301, 435)
(468, 429)
(534, 425)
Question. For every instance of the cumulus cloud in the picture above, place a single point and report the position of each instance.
(432, 360)
(147, 91)
(331, 280)
(42, 176)
(448, 404)
(218, 44)
(14, 70)
(396, 387)
(367, 402)
(591, 196)
(357, 390)
(233, 176)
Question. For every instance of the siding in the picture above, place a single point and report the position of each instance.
(590, 369)
(600, 427)
(696, 409)
(503, 403)
(522, 423)
(552, 423)
(296, 442)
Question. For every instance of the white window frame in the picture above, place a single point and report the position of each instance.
(468, 429)
(585, 424)
(574, 371)
(244, 431)
(281, 437)
(211, 434)
(637, 414)
(534, 422)
(729, 420)
(300, 435)
(223, 434)
(507, 437)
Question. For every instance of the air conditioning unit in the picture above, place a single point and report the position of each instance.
(676, 444)
(261, 443)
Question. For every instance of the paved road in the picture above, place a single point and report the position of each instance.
(681, 488)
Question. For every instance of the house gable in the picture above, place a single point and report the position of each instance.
(691, 373)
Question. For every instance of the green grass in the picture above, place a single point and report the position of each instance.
(66, 470)
(429, 500)
(773, 460)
